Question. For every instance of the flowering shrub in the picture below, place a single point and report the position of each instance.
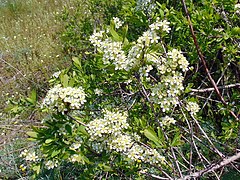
(124, 109)
(154, 72)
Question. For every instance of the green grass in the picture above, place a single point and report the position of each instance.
(30, 52)
(30, 49)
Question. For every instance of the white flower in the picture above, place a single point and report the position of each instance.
(192, 107)
(74, 158)
(75, 146)
(165, 25)
(237, 6)
(56, 74)
(167, 121)
(51, 164)
(23, 153)
(96, 38)
(31, 156)
(98, 92)
(118, 23)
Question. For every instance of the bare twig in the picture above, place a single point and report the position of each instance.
(154, 176)
(213, 167)
(76, 120)
(219, 87)
(206, 136)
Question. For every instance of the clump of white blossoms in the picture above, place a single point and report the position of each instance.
(118, 23)
(169, 65)
(237, 7)
(56, 74)
(108, 134)
(29, 156)
(192, 107)
(112, 50)
(59, 98)
(166, 92)
(75, 146)
(146, 5)
(147, 155)
(112, 123)
(167, 121)
(75, 158)
(51, 164)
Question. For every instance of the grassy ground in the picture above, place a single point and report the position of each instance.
(30, 52)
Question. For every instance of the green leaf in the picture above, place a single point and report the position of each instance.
(161, 135)
(114, 34)
(82, 129)
(82, 159)
(55, 152)
(32, 134)
(236, 31)
(71, 82)
(68, 128)
(64, 80)
(188, 88)
(34, 95)
(77, 63)
(151, 135)
(125, 40)
(36, 168)
(49, 141)
(176, 140)
(105, 167)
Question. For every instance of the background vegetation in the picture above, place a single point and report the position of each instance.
(41, 37)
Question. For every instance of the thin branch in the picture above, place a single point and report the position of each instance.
(219, 87)
(213, 167)
(76, 120)
(206, 136)
(154, 176)
(200, 55)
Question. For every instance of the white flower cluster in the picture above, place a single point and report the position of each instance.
(176, 59)
(58, 98)
(151, 35)
(75, 146)
(167, 121)
(169, 65)
(75, 158)
(164, 25)
(112, 124)
(121, 143)
(118, 23)
(107, 134)
(98, 147)
(142, 153)
(29, 156)
(51, 164)
(192, 107)
(56, 74)
(113, 53)
(166, 92)
(146, 5)
(237, 7)
(98, 92)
